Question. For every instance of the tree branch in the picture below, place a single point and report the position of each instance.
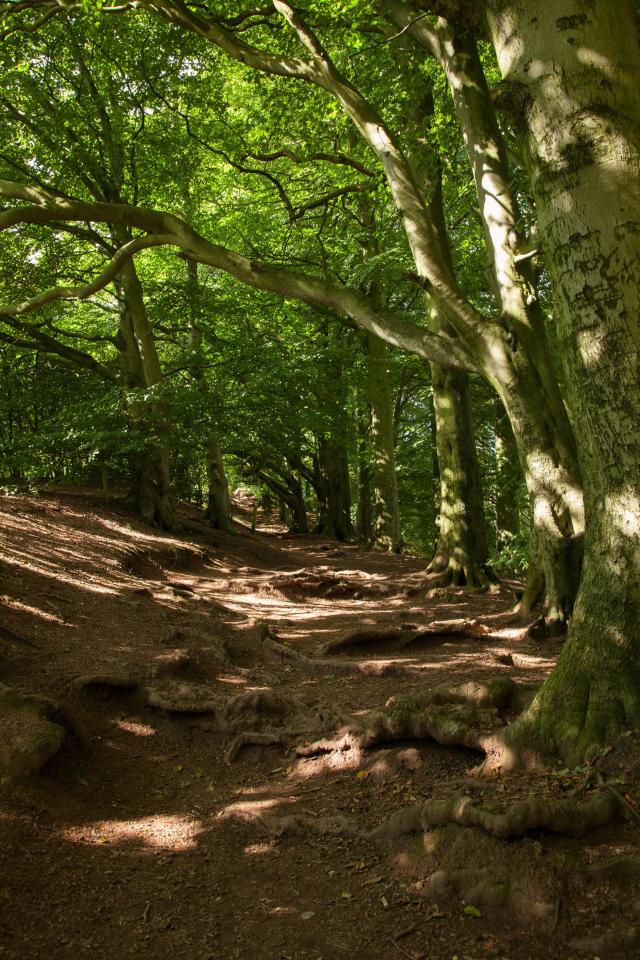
(168, 229)
(81, 293)
(338, 158)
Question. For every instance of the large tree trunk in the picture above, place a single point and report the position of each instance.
(576, 79)
(519, 365)
(386, 514)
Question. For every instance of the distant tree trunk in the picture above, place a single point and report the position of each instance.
(574, 78)
(507, 480)
(139, 361)
(461, 552)
(288, 488)
(331, 481)
(364, 516)
(218, 510)
(386, 515)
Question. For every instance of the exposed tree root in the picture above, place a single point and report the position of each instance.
(33, 730)
(281, 652)
(327, 584)
(617, 868)
(356, 638)
(149, 563)
(437, 628)
(572, 818)
(260, 717)
(616, 942)
(304, 824)
(420, 718)
(250, 738)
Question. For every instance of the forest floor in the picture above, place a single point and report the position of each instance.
(160, 829)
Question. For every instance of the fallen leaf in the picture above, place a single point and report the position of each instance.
(346, 895)
(472, 911)
(384, 902)
(362, 774)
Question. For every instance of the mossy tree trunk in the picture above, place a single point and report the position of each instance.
(385, 532)
(508, 480)
(461, 551)
(331, 483)
(576, 78)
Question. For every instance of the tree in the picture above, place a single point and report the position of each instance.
(573, 80)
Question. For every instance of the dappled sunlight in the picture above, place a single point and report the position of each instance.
(259, 849)
(250, 810)
(159, 832)
(36, 611)
(136, 727)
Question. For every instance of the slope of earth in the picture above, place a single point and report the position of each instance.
(219, 792)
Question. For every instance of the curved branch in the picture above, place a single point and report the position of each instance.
(338, 158)
(81, 293)
(175, 11)
(42, 341)
(168, 229)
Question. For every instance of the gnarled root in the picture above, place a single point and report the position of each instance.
(618, 943)
(33, 731)
(251, 739)
(280, 651)
(448, 719)
(437, 628)
(572, 818)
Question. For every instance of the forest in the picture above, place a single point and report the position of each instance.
(320, 479)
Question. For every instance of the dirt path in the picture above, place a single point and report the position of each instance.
(143, 838)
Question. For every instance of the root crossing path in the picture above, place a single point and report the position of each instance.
(237, 745)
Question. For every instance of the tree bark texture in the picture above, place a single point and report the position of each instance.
(575, 76)
(139, 358)
(386, 515)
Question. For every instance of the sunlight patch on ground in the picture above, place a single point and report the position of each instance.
(135, 727)
(175, 832)
(44, 614)
(249, 810)
(259, 849)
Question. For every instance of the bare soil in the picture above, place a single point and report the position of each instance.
(157, 830)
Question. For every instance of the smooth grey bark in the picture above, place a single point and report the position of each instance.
(545, 437)
(575, 78)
